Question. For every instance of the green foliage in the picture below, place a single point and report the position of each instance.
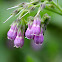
(51, 50)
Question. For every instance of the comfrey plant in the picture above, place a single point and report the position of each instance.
(32, 26)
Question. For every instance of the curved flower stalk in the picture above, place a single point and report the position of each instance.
(36, 24)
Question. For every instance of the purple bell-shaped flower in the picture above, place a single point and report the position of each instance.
(12, 33)
(19, 40)
(29, 32)
(38, 39)
(36, 27)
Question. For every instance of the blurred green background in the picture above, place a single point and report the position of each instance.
(51, 50)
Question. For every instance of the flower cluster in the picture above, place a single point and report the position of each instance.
(35, 32)
(16, 35)
(36, 24)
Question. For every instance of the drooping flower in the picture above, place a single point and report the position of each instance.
(38, 39)
(19, 40)
(29, 32)
(36, 27)
(12, 33)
